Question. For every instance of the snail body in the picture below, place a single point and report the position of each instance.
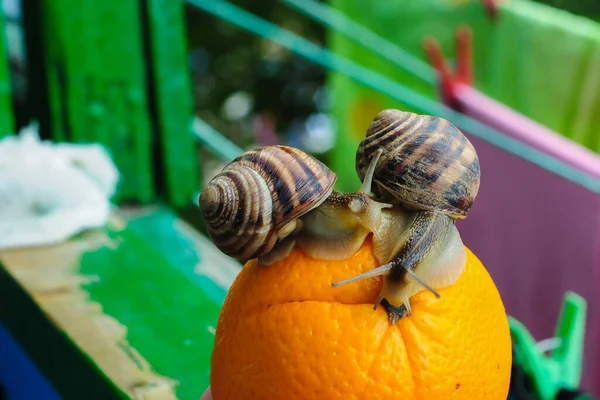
(430, 169)
(338, 227)
(254, 204)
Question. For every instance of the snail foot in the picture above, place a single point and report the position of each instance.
(279, 252)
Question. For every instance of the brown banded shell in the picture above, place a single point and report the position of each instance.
(427, 163)
(247, 204)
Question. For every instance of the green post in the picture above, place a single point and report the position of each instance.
(6, 111)
(172, 100)
(96, 75)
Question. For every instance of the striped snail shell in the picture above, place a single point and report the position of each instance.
(427, 163)
(431, 169)
(254, 202)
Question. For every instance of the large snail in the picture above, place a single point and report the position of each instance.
(432, 170)
(270, 200)
(253, 205)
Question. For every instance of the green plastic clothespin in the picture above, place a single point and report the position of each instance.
(562, 368)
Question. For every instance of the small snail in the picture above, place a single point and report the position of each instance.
(254, 204)
(432, 170)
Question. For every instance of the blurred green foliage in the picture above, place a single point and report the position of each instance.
(586, 8)
(280, 87)
(254, 91)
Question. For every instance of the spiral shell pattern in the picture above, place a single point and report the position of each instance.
(257, 194)
(427, 163)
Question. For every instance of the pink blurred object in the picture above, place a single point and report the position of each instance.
(264, 127)
(484, 109)
(491, 8)
(536, 232)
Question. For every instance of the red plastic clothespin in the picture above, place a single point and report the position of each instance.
(464, 55)
(491, 8)
(440, 64)
(464, 64)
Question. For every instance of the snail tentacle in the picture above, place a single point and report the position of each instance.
(423, 283)
(367, 184)
(383, 270)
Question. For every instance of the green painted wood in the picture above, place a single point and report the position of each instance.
(66, 367)
(96, 73)
(172, 99)
(156, 276)
(171, 311)
(6, 110)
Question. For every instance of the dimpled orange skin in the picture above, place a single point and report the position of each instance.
(285, 333)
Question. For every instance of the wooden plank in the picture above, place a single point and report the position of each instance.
(6, 108)
(96, 73)
(172, 100)
(126, 312)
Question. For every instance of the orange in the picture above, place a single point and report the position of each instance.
(285, 333)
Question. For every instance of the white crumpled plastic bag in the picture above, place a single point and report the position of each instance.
(52, 191)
